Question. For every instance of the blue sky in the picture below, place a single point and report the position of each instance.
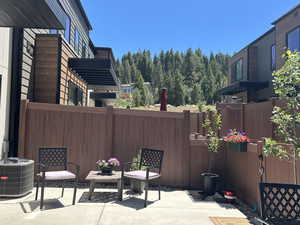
(213, 25)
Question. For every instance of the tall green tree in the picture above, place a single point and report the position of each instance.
(179, 97)
(287, 117)
(195, 75)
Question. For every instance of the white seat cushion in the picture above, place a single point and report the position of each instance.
(58, 175)
(141, 175)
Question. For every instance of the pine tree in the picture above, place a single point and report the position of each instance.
(179, 96)
(189, 76)
(196, 94)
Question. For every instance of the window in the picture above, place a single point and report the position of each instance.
(75, 94)
(68, 27)
(53, 31)
(293, 39)
(76, 39)
(273, 57)
(237, 70)
(83, 52)
(78, 44)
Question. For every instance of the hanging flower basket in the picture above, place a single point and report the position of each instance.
(237, 140)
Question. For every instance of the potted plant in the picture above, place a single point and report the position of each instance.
(212, 125)
(137, 186)
(287, 117)
(106, 166)
(237, 140)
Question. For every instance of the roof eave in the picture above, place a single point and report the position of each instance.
(286, 14)
(84, 14)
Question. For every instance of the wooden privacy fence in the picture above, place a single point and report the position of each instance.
(99, 133)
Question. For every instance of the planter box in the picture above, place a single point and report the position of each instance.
(238, 147)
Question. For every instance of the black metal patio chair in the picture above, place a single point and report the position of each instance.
(280, 204)
(56, 160)
(151, 159)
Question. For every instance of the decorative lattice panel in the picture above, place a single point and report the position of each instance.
(53, 157)
(152, 158)
(280, 202)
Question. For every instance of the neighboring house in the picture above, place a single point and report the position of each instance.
(104, 95)
(47, 56)
(126, 90)
(250, 70)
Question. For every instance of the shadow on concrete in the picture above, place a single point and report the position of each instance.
(199, 196)
(99, 197)
(134, 203)
(31, 206)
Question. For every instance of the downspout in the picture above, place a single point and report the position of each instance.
(15, 97)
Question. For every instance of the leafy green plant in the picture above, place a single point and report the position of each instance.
(286, 118)
(136, 162)
(213, 125)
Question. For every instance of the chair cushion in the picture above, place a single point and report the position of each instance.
(141, 175)
(58, 175)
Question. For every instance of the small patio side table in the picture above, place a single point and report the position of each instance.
(95, 177)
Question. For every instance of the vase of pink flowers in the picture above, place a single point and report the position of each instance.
(237, 140)
(106, 166)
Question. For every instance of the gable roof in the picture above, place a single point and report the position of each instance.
(272, 29)
(286, 14)
(80, 6)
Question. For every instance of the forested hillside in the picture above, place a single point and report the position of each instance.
(190, 76)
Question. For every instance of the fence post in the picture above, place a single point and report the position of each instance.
(204, 114)
(262, 170)
(109, 131)
(186, 145)
(243, 117)
(22, 129)
(198, 122)
(273, 124)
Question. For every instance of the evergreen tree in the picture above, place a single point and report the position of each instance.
(196, 94)
(139, 85)
(189, 76)
(178, 89)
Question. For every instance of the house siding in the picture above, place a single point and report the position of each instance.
(256, 66)
(28, 61)
(46, 69)
(243, 54)
(52, 72)
(77, 22)
(282, 27)
(67, 75)
(27, 71)
(263, 61)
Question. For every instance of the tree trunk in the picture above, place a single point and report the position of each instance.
(211, 160)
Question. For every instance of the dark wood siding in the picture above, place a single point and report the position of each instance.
(46, 68)
(27, 72)
(52, 74)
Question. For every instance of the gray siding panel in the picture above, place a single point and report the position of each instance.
(264, 70)
(27, 72)
(78, 21)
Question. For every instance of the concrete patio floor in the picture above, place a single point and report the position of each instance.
(176, 207)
